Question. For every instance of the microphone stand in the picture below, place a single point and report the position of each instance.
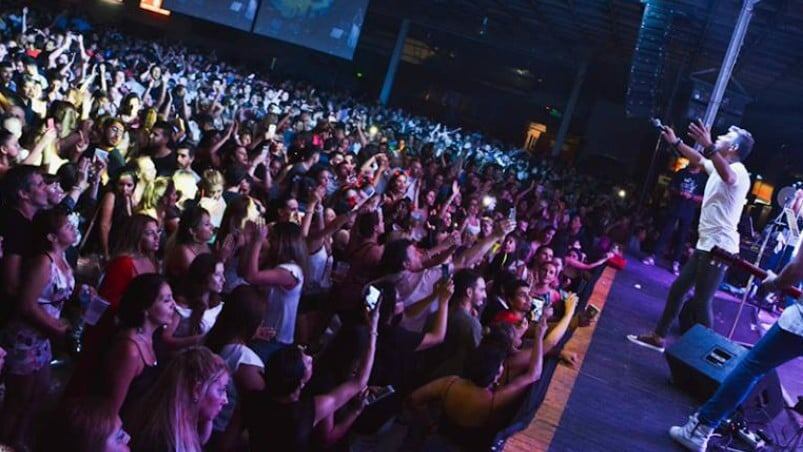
(769, 230)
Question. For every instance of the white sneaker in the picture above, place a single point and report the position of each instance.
(649, 260)
(693, 436)
(647, 341)
(676, 268)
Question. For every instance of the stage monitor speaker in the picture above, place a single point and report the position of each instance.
(701, 360)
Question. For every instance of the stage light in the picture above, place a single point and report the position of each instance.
(154, 6)
(622, 194)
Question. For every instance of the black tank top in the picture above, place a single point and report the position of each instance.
(274, 425)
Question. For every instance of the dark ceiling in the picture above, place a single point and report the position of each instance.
(558, 34)
(562, 31)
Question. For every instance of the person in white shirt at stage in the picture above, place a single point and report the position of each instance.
(723, 200)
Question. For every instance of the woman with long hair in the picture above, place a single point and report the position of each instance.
(88, 424)
(130, 365)
(176, 415)
(134, 254)
(159, 202)
(198, 306)
(284, 272)
(230, 241)
(116, 206)
(212, 186)
(238, 323)
(472, 404)
(192, 238)
(282, 416)
(47, 285)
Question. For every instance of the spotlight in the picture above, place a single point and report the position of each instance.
(622, 194)
(487, 201)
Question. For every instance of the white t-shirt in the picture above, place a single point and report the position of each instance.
(207, 320)
(415, 287)
(283, 306)
(722, 208)
(234, 355)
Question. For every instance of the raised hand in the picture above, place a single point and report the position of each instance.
(668, 135)
(227, 247)
(504, 228)
(444, 289)
(541, 327)
(700, 133)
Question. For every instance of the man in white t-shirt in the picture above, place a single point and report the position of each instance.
(723, 200)
(782, 343)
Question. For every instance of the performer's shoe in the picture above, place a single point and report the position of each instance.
(647, 340)
(649, 260)
(694, 435)
(676, 268)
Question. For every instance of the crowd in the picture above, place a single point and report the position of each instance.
(273, 267)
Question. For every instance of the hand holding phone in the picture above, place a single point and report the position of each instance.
(588, 315)
(372, 298)
(271, 132)
(375, 394)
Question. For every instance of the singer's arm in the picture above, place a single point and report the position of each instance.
(721, 165)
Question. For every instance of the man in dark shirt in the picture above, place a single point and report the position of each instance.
(25, 193)
(463, 328)
(164, 159)
(686, 192)
(566, 238)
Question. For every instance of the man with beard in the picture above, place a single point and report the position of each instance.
(463, 329)
(163, 157)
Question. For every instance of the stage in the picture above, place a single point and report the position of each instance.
(621, 398)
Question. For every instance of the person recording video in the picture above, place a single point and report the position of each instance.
(723, 199)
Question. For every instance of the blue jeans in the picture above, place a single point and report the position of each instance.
(775, 348)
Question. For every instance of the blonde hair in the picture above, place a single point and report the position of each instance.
(155, 192)
(211, 179)
(151, 116)
(184, 181)
(167, 417)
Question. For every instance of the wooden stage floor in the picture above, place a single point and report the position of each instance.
(620, 397)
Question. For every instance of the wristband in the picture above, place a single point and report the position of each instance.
(677, 143)
(709, 151)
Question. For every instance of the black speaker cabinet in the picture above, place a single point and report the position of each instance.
(701, 360)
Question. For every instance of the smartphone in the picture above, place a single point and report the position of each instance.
(591, 311)
(379, 394)
(102, 154)
(372, 298)
(512, 214)
(271, 132)
(536, 310)
(368, 191)
(445, 274)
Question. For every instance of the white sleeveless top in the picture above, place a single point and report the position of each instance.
(283, 306)
(319, 265)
